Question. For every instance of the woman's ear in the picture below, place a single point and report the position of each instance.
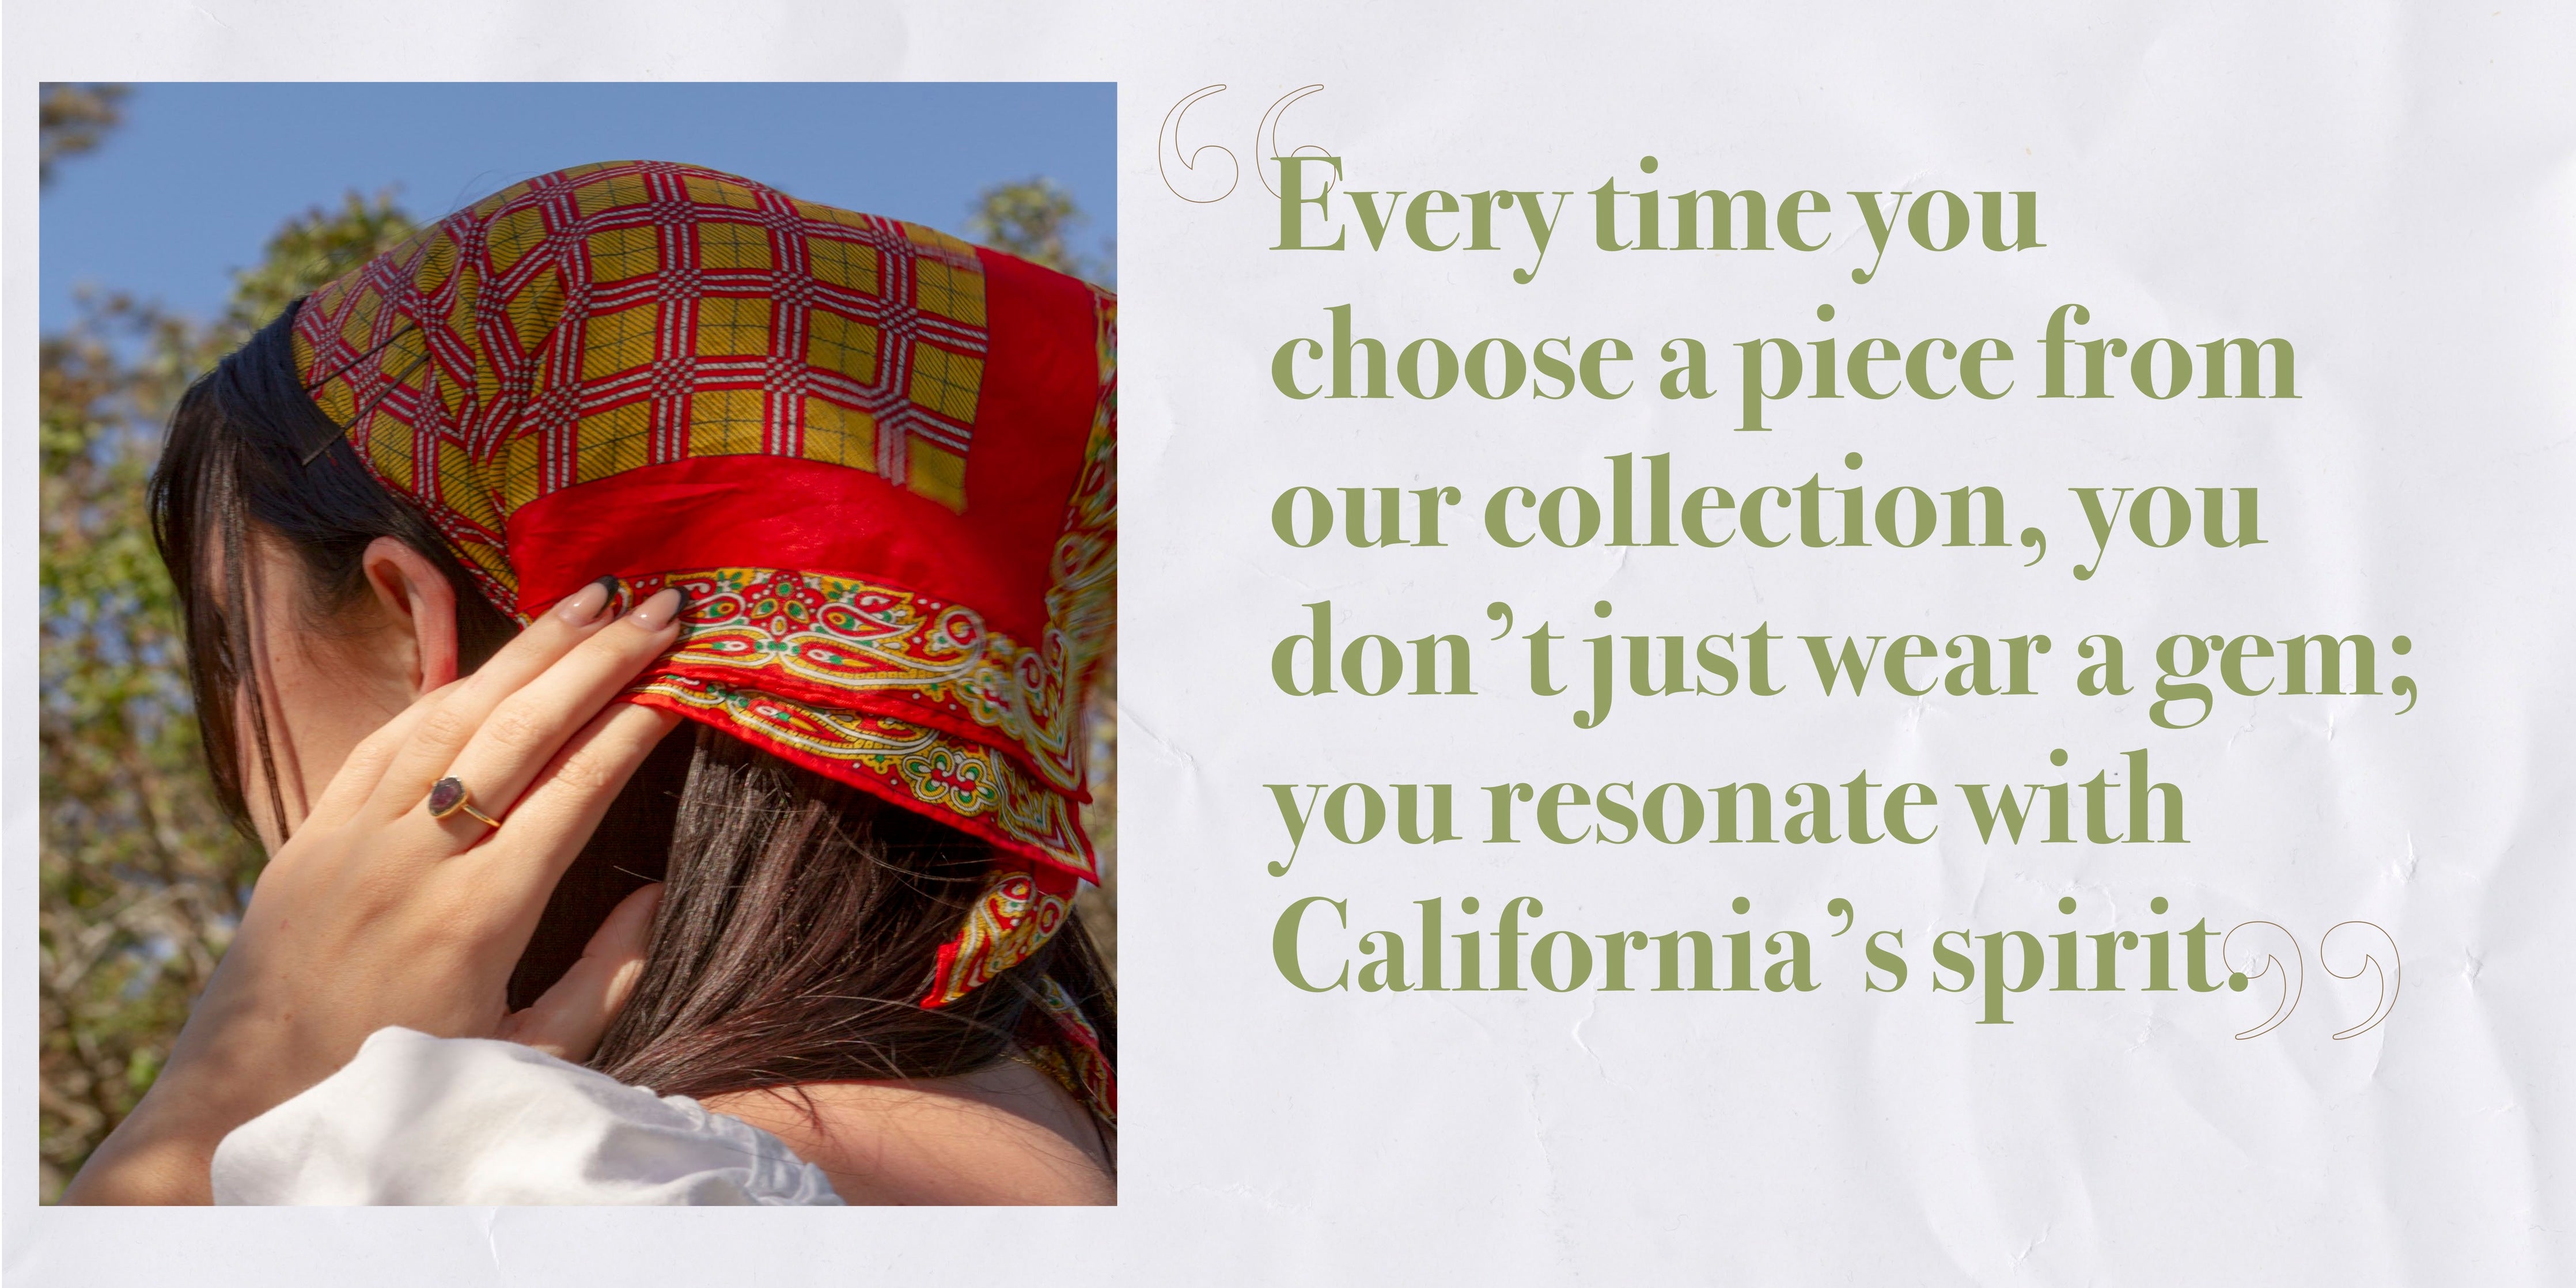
(420, 604)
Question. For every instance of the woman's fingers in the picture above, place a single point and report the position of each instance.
(568, 1020)
(521, 734)
(365, 767)
(447, 728)
(563, 807)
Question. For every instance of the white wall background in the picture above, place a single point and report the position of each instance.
(2389, 187)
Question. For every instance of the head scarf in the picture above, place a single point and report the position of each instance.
(878, 460)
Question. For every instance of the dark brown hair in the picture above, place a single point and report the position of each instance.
(801, 918)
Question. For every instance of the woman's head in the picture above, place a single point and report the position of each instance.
(346, 604)
(674, 377)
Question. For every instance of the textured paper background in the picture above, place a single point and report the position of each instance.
(2388, 187)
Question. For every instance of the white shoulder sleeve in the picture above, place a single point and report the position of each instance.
(423, 1120)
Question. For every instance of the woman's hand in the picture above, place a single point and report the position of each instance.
(376, 913)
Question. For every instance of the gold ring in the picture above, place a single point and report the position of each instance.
(449, 796)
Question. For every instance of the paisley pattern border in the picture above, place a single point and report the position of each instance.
(965, 784)
(866, 645)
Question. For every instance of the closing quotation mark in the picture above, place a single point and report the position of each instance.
(2378, 956)
(1167, 151)
(2293, 976)
(2390, 972)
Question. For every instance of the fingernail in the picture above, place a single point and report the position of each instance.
(661, 610)
(583, 605)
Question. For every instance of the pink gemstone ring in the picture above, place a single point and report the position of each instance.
(449, 796)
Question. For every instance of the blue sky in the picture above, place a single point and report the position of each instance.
(199, 176)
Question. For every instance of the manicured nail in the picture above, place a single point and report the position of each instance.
(661, 610)
(582, 606)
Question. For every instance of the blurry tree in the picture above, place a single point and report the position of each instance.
(72, 119)
(1099, 906)
(1031, 219)
(306, 252)
(142, 876)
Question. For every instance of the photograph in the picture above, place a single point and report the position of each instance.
(577, 643)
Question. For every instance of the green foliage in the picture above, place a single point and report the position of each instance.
(1031, 219)
(309, 250)
(142, 877)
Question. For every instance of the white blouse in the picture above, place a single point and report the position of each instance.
(421, 1120)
